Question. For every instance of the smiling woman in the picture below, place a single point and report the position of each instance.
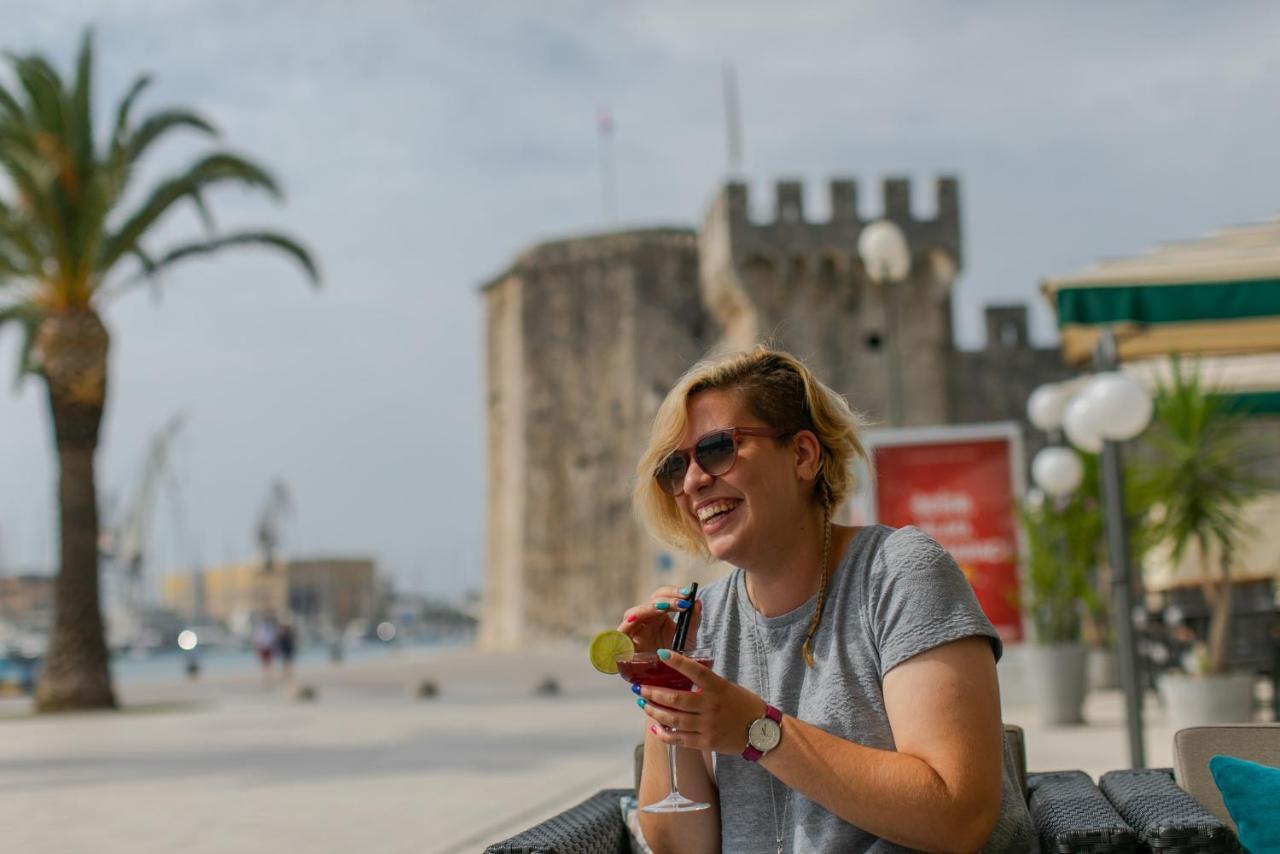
(896, 745)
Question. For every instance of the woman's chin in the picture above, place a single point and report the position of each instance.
(723, 546)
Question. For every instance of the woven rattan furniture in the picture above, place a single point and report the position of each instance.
(1141, 811)
(1072, 816)
(1165, 818)
(594, 826)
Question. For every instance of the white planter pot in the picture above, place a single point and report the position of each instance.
(1104, 669)
(1058, 681)
(1201, 700)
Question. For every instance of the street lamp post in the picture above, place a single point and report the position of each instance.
(1111, 409)
(1121, 409)
(887, 259)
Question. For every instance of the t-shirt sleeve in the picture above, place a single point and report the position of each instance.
(918, 599)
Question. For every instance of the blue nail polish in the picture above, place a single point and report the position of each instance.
(664, 654)
(635, 689)
(683, 604)
(684, 591)
(640, 702)
(662, 606)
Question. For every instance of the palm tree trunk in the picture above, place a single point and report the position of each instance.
(72, 353)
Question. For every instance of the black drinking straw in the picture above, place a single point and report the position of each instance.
(682, 621)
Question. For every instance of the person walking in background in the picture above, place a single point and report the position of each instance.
(853, 704)
(264, 641)
(285, 642)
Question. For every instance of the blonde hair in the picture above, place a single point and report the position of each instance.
(781, 391)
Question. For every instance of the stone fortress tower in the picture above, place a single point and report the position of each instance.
(802, 286)
(584, 336)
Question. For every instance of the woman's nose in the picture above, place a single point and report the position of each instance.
(695, 477)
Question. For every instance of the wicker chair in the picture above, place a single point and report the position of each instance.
(1070, 813)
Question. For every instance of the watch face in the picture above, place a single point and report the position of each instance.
(764, 735)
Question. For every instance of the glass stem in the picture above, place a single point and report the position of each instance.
(671, 760)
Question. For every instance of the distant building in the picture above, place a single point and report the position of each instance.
(26, 597)
(320, 593)
(585, 336)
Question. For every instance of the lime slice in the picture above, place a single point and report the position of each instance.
(607, 647)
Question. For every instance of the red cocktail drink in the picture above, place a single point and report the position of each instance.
(645, 668)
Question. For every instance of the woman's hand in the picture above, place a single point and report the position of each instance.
(650, 626)
(715, 715)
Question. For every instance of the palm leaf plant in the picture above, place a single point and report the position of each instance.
(1062, 539)
(69, 243)
(1198, 472)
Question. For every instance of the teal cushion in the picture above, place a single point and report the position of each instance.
(1252, 795)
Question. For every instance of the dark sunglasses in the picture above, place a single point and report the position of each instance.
(715, 453)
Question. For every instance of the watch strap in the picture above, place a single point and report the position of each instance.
(752, 754)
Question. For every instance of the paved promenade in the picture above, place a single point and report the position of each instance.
(229, 764)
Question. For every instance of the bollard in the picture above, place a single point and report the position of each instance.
(302, 693)
(426, 689)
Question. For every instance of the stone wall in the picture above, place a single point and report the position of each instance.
(993, 384)
(581, 335)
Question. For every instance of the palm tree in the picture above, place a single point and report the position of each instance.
(68, 245)
(1198, 476)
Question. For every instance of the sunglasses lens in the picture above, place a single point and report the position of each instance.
(670, 474)
(715, 453)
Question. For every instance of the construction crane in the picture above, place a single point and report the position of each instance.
(278, 505)
(125, 543)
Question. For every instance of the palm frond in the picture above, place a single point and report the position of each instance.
(9, 105)
(151, 268)
(34, 178)
(157, 125)
(214, 169)
(43, 87)
(82, 106)
(27, 316)
(126, 107)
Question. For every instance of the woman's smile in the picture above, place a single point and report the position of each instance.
(715, 515)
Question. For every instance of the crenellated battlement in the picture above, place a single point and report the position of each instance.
(789, 205)
(799, 280)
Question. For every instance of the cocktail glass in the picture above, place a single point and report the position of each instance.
(645, 668)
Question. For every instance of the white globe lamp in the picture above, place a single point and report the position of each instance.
(1078, 422)
(1058, 471)
(884, 252)
(1121, 408)
(1046, 405)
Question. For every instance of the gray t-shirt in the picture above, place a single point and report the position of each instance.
(895, 594)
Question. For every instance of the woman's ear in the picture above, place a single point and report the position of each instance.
(808, 452)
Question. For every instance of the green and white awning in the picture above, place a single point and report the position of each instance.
(1215, 295)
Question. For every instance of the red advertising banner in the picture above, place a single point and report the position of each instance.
(961, 492)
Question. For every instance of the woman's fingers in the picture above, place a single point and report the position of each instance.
(682, 721)
(680, 701)
(701, 676)
(655, 614)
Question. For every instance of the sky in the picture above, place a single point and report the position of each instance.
(423, 145)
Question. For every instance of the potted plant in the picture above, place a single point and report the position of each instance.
(1062, 537)
(1197, 470)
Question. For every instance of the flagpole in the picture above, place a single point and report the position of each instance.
(732, 121)
(608, 178)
